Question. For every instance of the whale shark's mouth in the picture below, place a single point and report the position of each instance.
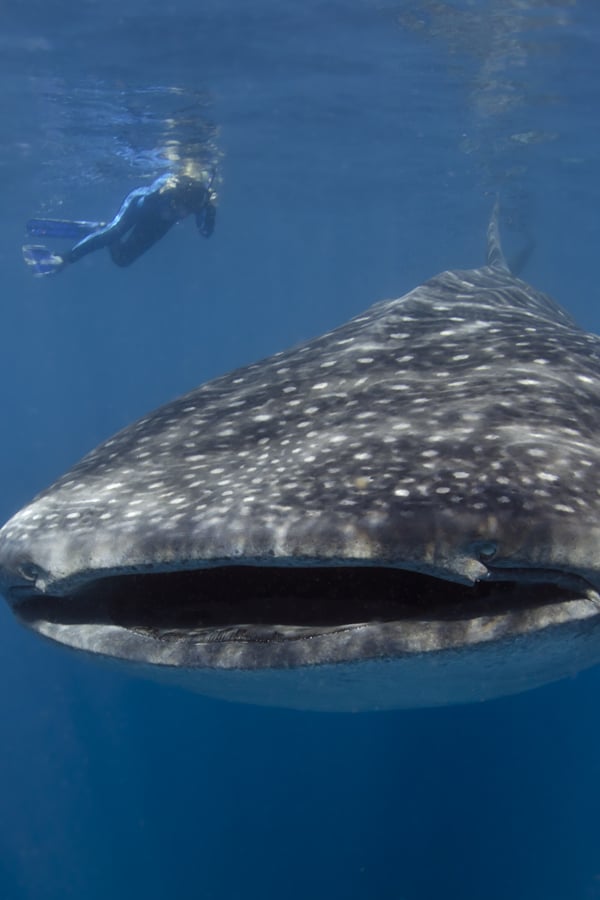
(259, 616)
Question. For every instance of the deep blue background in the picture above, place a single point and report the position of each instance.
(362, 145)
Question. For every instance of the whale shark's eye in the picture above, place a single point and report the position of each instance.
(487, 551)
(29, 571)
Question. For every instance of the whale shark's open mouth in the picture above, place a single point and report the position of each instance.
(285, 616)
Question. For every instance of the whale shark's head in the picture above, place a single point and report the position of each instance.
(405, 511)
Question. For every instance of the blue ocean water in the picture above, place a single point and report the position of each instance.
(359, 146)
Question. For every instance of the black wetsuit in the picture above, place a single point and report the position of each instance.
(145, 216)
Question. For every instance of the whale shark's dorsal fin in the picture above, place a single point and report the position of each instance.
(495, 256)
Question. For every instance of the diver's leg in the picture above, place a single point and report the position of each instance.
(140, 238)
(94, 241)
(108, 234)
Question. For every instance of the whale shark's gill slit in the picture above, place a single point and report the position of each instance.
(212, 603)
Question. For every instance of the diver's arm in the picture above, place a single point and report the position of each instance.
(205, 220)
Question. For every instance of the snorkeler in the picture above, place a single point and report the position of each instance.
(145, 216)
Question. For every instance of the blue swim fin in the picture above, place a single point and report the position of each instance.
(41, 260)
(61, 228)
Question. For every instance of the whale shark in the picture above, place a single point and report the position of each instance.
(402, 512)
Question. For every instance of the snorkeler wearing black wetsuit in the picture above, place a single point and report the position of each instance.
(145, 216)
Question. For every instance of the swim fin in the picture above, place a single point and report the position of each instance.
(41, 260)
(61, 228)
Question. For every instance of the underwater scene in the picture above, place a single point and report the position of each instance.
(300, 507)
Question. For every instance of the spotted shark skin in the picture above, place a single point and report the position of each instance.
(450, 435)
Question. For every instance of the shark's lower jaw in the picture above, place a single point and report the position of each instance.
(260, 617)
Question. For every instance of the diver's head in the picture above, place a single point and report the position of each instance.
(196, 182)
(194, 193)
